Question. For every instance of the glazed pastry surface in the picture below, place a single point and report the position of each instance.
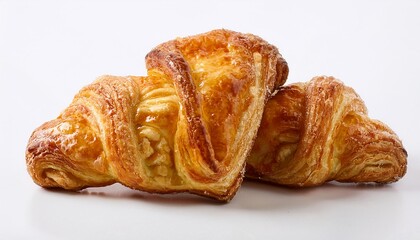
(319, 131)
(187, 126)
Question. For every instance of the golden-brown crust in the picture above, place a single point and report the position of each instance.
(186, 127)
(319, 131)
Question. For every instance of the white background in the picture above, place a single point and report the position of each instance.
(50, 49)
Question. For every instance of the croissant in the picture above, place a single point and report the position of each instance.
(319, 131)
(187, 126)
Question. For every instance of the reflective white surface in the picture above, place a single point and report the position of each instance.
(50, 49)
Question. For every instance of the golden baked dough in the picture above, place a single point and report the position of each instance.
(188, 126)
(319, 131)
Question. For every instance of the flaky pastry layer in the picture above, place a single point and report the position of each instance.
(319, 131)
(187, 126)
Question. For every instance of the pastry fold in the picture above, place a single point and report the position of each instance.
(319, 131)
(187, 126)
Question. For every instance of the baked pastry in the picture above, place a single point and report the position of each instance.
(186, 127)
(319, 131)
